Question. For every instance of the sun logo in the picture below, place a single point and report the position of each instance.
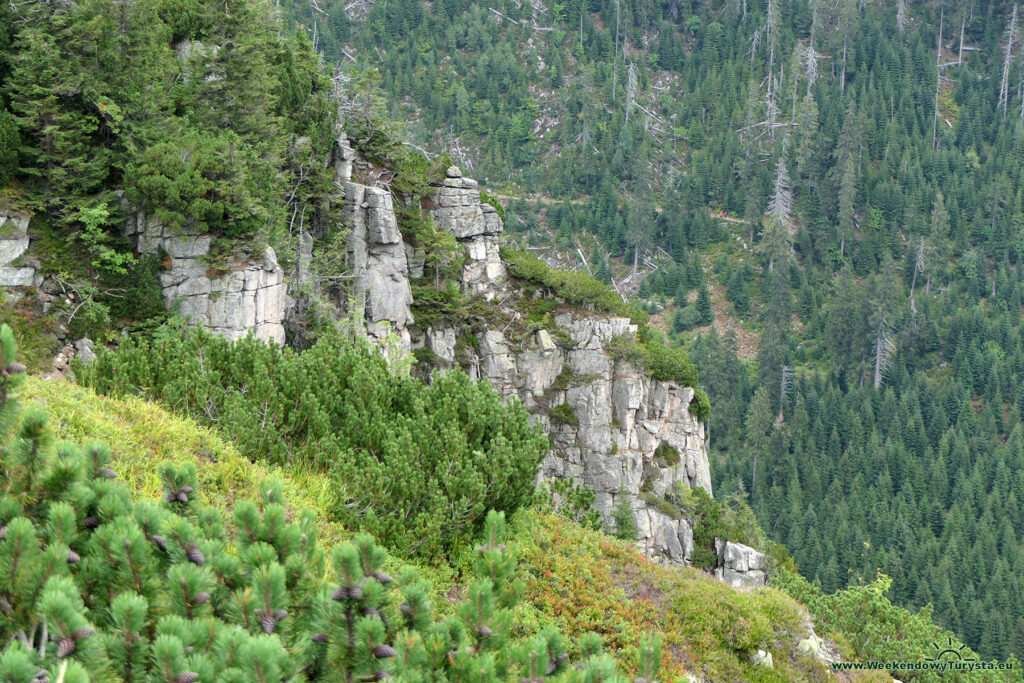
(949, 653)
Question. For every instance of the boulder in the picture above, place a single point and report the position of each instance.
(739, 565)
(83, 347)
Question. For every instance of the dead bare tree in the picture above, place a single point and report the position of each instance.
(884, 348)
(1011, 40)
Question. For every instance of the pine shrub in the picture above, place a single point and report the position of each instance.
(418, 465)
(97, 586)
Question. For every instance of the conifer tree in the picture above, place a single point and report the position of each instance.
(96, 586)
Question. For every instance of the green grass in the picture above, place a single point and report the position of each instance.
(142, 435)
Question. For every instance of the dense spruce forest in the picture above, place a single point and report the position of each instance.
(823, 201)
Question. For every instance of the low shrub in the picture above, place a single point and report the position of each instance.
(98, 586)
(730, 520)
(418, 465)
(564, 414)
(663, 363)
(575, 288)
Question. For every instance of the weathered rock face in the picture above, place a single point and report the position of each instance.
(13, 245)
(619, 418)
(456, 207)
(739, 565)
(620, 415)
(381, 260)
(377, 257)
(231, 300)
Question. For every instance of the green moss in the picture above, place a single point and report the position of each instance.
(564, 414)
(578, 289)
(662, 362)
(567, 379)
(666, 455)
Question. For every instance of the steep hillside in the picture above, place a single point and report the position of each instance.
(821, 201)
(201, 163)
(709, 628)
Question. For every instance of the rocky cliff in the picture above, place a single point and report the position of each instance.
(231, 298)
(612, 426)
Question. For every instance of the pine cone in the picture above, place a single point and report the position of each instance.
(201, 598)
(194, 555)
(107, 473)
(340, 594)
(83, 633)
(160, 542)
(370, 612)
(280, 614)
(187, 490)
(182, 497)
(66, 647)
(42, 676)
(405, 609)
(320, 638)
(268, 623)
(381, 675)
(484, 632)
(3, 531)
(73, 557)
(91, 522)
(186, 677)
(171, 496)
(15, 369)
(562, 658)
(382, 577)
(384, 652)
(355, 592)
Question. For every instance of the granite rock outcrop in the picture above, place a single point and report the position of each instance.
(244, 294)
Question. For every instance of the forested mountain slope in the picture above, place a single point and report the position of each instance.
(837, 186)
(886, 333)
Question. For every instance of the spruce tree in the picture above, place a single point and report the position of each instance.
(706, 315)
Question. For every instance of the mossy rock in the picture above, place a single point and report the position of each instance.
(564, 414)
(661, 505)
(666, 455)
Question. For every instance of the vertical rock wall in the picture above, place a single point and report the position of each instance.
(456, 208)
(625, 434)
(622, 416)
(231, 299)
(377, 257)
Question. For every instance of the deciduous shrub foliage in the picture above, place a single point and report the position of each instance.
(416, 464)
(97, 586)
